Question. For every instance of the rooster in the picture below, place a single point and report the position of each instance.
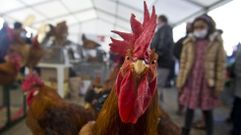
(132, 107)
(36, 52)
(9, 69)
(19, 43)
(90, 50)
(89, 44)
(12, 59)
(48, 113)
(60, 33)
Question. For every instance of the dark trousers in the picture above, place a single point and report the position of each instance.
(237, 116)
(208, 116)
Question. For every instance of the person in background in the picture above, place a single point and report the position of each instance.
(178, 45)
(20, 37)
(177, 53)
(5, 41)
(200, 124)
(162, 43)
(230, 84)
(202, 72)
(237, 101)
(171, 76)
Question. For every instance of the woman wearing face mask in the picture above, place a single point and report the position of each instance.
(201, 76)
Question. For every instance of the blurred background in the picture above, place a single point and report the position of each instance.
(98, 17)
(66, 42)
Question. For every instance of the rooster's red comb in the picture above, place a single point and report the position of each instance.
(30, 81)
(140, 38)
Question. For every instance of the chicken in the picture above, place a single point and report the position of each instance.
(19, 44)
(35, 53)
(89, 44)
(90, 50)
(97, 94)
(48, 113)
(10, 60)
(132, 107)
(9, 70)
(60, 33)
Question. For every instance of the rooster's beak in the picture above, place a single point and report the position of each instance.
(139, 66)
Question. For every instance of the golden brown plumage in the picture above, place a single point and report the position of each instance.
(9, 69)
(15, 57)
(23, 50)
(36, 52)
(60, 33)
(49, 114)
(154, 122)
(35, 55)
(109, 121)
(8, 73)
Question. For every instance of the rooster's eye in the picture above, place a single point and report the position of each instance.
(128, 58)
(153, 62)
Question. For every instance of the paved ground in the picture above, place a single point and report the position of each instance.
(169, 104)
(220, 114)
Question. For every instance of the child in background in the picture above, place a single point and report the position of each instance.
(202, 68)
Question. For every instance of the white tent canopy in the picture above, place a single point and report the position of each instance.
(100, 16)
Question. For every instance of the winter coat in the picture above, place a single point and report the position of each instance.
(237, 71)
(162, 43)
(215, 58)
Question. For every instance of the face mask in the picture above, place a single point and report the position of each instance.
(201, 34)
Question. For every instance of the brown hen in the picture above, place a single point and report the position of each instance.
(48, 113)
(36, 52)
(9, 70)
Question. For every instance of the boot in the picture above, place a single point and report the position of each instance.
(188, 122)
(208, 115)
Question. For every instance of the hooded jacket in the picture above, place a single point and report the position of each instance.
(215, 58)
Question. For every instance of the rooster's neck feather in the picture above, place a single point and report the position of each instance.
(109, 122)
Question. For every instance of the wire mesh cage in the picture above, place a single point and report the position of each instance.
(90, 70)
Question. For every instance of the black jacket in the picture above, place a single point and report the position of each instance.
(162, 43)
(177, 50)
